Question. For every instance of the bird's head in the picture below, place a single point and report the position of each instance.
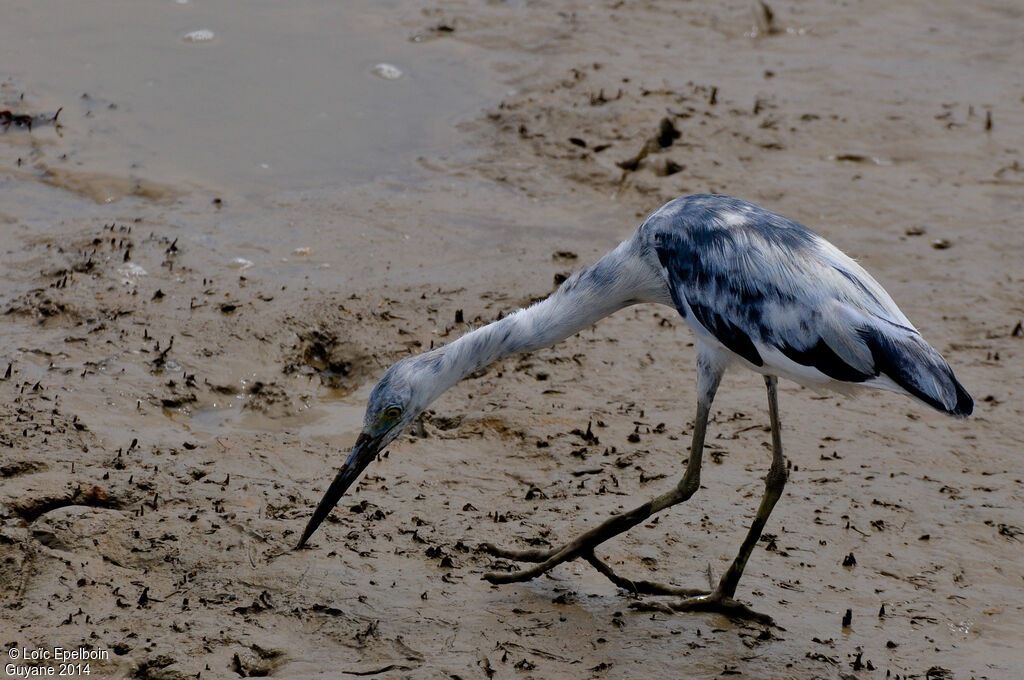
(405, 390)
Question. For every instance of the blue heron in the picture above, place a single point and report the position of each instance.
(756, 288)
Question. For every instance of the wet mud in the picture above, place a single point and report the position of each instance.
(183, 368)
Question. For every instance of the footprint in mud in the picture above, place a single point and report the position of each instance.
(30, 509)
(339, 363)
(460, 427)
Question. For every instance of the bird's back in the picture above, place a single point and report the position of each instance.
(789, 303)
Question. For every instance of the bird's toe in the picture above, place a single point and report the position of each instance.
(517, 555)
(718, 603)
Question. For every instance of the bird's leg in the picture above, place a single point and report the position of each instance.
(709, 375)
(721, 600)
(774, 483)
(640, 587)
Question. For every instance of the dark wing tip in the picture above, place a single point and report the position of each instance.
(908, 359)
(964, 403)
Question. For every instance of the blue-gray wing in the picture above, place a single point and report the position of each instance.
(780, 296)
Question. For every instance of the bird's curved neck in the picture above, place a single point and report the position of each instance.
(619, 279)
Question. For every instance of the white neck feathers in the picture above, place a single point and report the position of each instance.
(619, 279)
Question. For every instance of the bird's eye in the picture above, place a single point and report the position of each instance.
(392, 412)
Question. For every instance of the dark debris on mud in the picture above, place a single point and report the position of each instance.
(339, 364)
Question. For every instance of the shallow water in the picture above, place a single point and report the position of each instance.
(277, 96)
(389, 206)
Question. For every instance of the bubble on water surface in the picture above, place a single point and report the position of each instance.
(199, 35)
(240, 264)
(129, 272)
(131, 269)
(387, 71)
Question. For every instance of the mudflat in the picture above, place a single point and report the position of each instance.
(208, 259)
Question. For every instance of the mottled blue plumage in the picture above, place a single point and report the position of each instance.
(762, 287)
(755, 287)
(773, 292)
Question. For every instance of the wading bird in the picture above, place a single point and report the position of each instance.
(757, 289)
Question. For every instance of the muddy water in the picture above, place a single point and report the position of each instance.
(186, 374)
(239, 96)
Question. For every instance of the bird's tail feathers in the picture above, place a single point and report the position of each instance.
(904, 357)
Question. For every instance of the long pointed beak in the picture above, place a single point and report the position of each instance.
(365, 450)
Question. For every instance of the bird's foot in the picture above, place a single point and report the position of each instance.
(711, 602)
(541, 557)
(584, 544)
(640, 587)
(517, 555)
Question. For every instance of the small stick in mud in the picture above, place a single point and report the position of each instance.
(666, 135)
(10, 119)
